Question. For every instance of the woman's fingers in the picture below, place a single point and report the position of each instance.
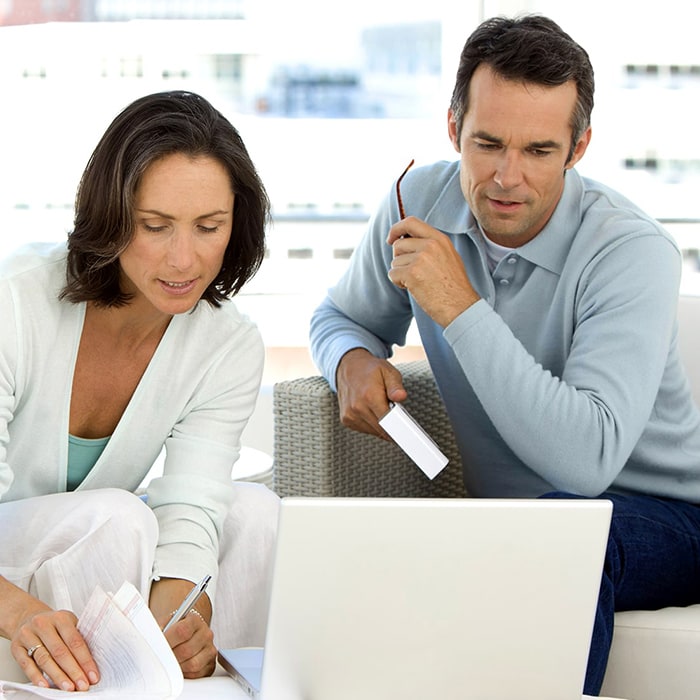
(192, 642)
(64, 672)
(50, 650)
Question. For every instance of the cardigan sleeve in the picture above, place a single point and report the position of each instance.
(8, 358)
(193, 497)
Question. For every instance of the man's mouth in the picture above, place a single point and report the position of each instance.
(505, 203)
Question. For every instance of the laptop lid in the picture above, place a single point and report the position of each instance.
(433, 598)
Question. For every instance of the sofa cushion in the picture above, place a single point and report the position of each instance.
(655, 655)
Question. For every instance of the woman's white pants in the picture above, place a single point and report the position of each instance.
(59, 547)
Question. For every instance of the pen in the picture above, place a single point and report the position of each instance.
(189, 602)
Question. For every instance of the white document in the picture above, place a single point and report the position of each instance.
(134, 658)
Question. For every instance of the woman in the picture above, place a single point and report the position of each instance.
(123, 343)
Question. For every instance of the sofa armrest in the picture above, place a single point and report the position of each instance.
(314, 455)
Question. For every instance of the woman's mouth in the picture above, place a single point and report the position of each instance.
(177, 288)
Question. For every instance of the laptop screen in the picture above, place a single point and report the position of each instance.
(433, 598)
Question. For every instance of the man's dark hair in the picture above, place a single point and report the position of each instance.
(528, 49)
(151, 128)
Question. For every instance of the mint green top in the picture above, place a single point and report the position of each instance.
(83, 453)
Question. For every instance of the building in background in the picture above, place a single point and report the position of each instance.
(122, 10)
(13, 12)
(331, 106)
(402, 67)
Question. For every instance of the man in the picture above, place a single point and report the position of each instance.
(546, 304)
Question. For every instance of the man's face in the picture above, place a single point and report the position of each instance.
(514, 145)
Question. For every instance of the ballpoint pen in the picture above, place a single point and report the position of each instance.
(189, 602)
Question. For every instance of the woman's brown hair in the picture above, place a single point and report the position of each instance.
(148, 129)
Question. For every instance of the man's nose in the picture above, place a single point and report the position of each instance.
(509, 172)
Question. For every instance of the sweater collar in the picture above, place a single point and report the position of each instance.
(550, 247)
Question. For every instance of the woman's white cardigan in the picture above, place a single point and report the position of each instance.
(195, 398)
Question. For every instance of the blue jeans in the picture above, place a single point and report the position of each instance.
(652, 561)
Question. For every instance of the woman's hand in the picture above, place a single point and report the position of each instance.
(46, 643)
(191, 639)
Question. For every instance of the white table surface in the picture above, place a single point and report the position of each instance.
(221, 687)
(218, 687)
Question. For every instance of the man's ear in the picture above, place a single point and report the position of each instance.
(452, 130)
(579, 148)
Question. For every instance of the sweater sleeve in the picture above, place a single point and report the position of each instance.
(364, 309)
(588, 420)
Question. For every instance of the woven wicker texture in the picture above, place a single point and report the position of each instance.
(314, 455)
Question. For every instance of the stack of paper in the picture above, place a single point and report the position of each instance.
(134, 658)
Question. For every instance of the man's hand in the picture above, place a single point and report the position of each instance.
(427, 265)
(191, 639)
(366, 385)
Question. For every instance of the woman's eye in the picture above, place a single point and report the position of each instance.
(153, 229)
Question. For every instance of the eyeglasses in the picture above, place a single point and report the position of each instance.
(402, 213)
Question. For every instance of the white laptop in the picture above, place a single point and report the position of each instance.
(429, 599)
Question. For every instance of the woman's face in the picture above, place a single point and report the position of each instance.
(183, 217)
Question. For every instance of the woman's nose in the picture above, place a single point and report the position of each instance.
(181, 250)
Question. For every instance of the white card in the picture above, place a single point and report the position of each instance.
(413, 440)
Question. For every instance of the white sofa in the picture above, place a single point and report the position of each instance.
(654, 655)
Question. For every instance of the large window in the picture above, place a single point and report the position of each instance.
(333, 100)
